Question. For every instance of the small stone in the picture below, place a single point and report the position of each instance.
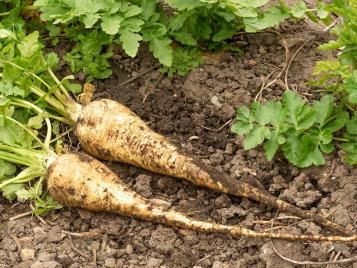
(84, 214)
(252, 62)
(45, 256)
(46, 264)
(55, 234)
(25, 241)
(215, 101)
(110, 262)
(262, 50)
(217, 264)
(129, 249)
(27, 254)
(153, 262)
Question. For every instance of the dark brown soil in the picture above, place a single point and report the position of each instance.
(188, 110)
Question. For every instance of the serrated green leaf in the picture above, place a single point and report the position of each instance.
(263, 113)
(350, 86)
(6, 168)
(148, 8)
(327, 148)
(324, 109)
(23, 194)
(9, 191)
(271, 146)
(4, 33)
(52, 60)
(331, 45)
(184, 4)
(132, 11)
(298, 10)
(251, 3)
(270, 18)
(351, 126)
(185, 38)
(130, 42)
(29, 45)
(90, 19)
(36, 121)
(162, 50)
(8, 89)
(256, 137)
(111, 24)
(241, 127)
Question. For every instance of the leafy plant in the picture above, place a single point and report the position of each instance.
(105, 22)
(340, 76)
(184, 60)
(194, 23)
(302, 131)
(88, 54)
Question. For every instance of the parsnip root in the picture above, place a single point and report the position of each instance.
(78, 180)
(110, 131)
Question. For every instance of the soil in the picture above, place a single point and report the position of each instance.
(191, 111)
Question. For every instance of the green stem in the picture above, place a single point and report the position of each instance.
(56, 105)
(14, 159)
(22, 178)
(345, 139)
(22, 151)
(30, 105)
(54, 77)
(4, 14)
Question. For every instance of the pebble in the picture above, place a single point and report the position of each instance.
(110, 262)
(153, 262)
(129, 249)
(27, 254)
(215, 101)
(46, 264)
(217, 264)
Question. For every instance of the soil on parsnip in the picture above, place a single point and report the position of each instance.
(193, 112)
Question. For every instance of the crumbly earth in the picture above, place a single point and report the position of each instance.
(191, 111)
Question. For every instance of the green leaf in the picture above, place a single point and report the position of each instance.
(52, 60)
(327, 148)
(36, 121)
(130, 42)
(300, 114)
(273, 16)
(8, 89)
(185, 38)
(72, 87)
(255, 137)
(9, 191)
(324, 109)
(29, 45)
(241, 127)
(23, 194)
(162, 50)
(6, 168)
(148, 8)
(111, 24)
(350, 85)
(271, 146)
(46, 204)
(90, 19)
(263, 113)
(299, 9)
(184, 4)
(351, 126)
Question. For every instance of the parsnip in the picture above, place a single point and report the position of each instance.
(78, 180)
(110, 131)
